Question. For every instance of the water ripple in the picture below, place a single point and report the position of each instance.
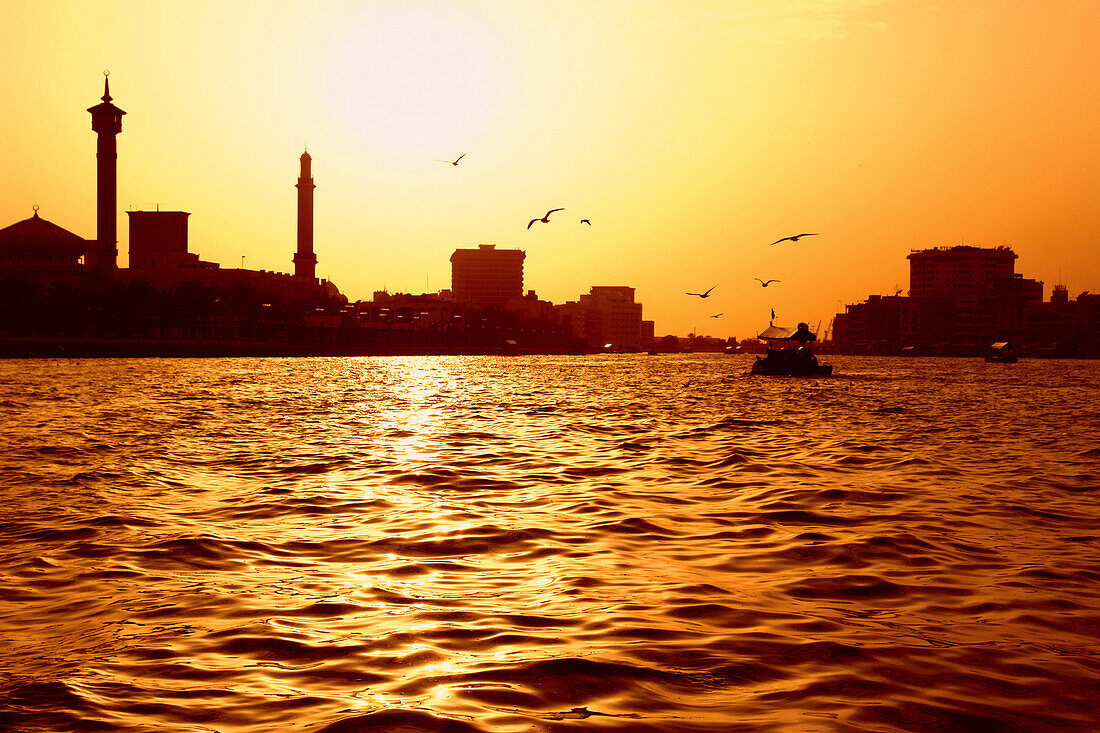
(480, 544)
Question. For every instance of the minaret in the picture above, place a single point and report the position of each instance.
(102, 257)
(305, 262)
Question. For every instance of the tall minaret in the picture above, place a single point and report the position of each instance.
(305, 262)
(102, 258)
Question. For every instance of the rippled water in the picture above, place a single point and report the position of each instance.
(634, 543)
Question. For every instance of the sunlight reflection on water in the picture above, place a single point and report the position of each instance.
(549, 543)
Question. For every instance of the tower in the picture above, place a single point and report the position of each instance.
(305, 262)
(102, 256)
(487, 275)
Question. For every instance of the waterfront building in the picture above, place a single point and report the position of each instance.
(487, 275)
(876, 325)
(960, 300)
(963, 280)
(305, 261)
(1065, 327)
(158, 242)
(102, 257)
(961, 272)
(611, 317)
(39, 249)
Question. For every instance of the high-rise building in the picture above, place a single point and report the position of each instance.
(102, 257)
(961, 272)
(612, 317)
(959, 285)
(487, 275)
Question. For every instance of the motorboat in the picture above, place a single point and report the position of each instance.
(1001, 352)
(789, 354)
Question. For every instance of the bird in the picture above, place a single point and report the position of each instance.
(452, 162)
(766, 283)
(545, 219)
(703, 295)
(585, 221)
(716, 315)
(795, 237)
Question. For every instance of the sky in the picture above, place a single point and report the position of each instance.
(691, 133)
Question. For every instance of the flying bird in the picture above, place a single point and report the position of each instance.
(703, 295)
(795, 238)
(545, 219)
(585, 221)
(716, 315)
(452, 162)
(766, 283)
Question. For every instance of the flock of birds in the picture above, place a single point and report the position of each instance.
(545, 219)
(763, 283)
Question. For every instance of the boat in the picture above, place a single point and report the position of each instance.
(1001, 352)
(789, 354)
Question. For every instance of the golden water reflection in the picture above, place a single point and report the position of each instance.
(548, 544)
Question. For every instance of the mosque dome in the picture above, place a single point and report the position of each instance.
(40, 238)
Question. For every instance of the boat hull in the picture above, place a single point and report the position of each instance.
(809, 370)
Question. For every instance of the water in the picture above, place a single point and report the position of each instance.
(629, 543)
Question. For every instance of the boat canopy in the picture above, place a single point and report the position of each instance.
(780, 333)
(776, 333)
(1000, 345)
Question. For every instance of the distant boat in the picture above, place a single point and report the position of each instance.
(1001, 352)
(788, 354)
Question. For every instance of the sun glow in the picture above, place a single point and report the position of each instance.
(415, 81)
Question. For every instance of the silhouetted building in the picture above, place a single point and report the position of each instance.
(158, 241)
(531, 308)
(1065, 327)
(1015, 298)
(40, 249)
(305, 261)
(961, 300)
(159, 255)
(102, 257)
(965, 279)
(487, 275)
(960, 272)
(872, 326)
(607, 315)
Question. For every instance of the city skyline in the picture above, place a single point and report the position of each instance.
(691, 141)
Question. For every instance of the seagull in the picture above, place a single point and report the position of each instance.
(703, 295)
(585, 221)
(767, 283)
(452, 162)
(545, 219)
(716, 315)
(795, 238)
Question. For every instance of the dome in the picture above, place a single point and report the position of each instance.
(36, 236)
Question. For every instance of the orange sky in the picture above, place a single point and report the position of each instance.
(692, 134)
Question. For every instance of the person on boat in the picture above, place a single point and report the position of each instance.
(803, 334)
